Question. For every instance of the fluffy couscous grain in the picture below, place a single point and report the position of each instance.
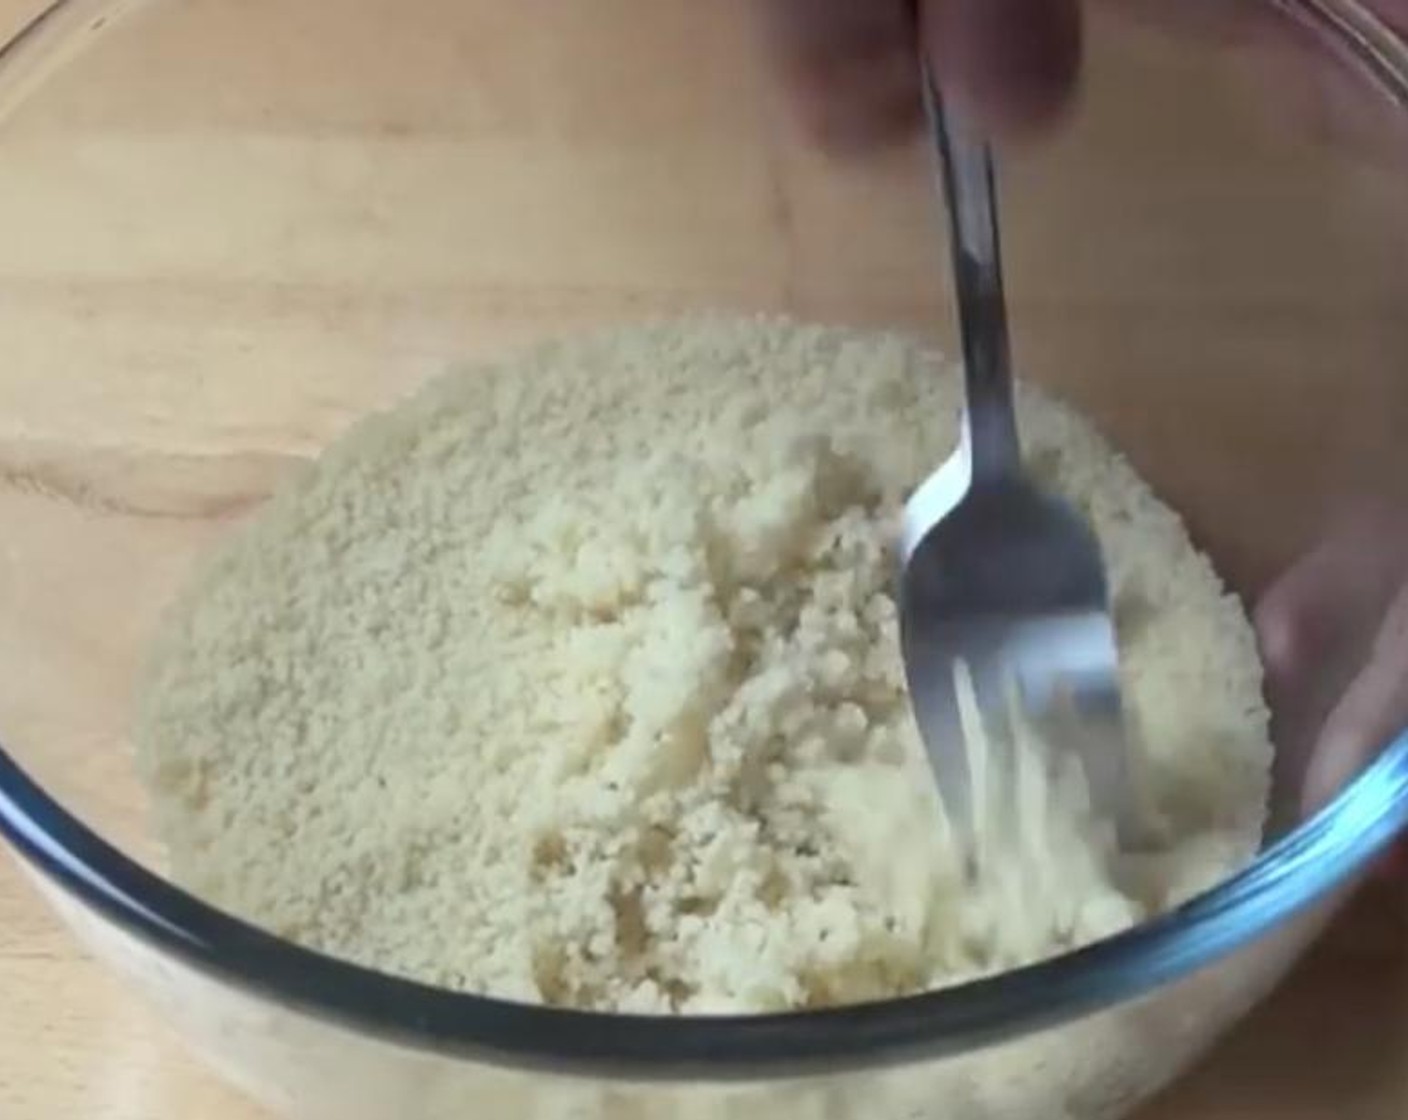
(575, 680)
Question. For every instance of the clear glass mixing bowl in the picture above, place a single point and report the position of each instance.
(229, 229)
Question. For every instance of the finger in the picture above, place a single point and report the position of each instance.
(1013, 64)
(1372, 712)
(1316, 624)
(1333, 597)
(850, 65)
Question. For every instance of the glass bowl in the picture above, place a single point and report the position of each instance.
(228, 230)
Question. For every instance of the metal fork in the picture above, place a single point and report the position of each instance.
(1002, 584)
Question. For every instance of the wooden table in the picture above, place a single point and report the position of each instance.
(260, 219)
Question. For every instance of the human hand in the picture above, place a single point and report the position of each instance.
(1014, 64)
(852, 63)
(1334, 629)
(1334, 638)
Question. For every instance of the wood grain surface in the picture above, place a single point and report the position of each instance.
(229, 228)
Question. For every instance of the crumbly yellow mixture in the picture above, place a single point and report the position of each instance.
(575, 679)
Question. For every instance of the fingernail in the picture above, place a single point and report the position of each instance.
(1279, 640)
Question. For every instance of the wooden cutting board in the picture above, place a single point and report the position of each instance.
(1214, 292)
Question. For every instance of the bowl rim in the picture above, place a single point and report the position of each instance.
(1284, 879)
(1281, 882)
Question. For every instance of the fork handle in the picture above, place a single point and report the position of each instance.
(965, 167)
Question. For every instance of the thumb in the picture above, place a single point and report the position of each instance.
(1371, 713)
(1317, 624)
